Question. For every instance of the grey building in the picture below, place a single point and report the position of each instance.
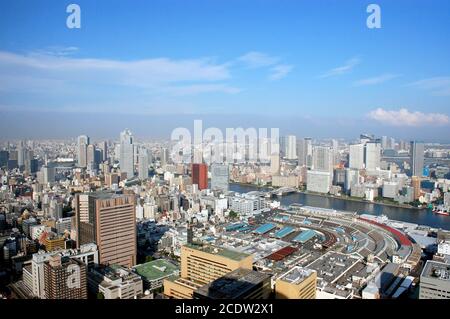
(435, 281)
(417, 150)
(219, 177)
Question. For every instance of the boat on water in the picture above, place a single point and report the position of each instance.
(440, 211)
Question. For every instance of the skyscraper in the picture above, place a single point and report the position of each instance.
(291, 147)
(143, 164)
(104, 147)
(127, 153)
(274, 164)
(200, 175)
(90, 156)
(108, 220)
(356, 156)
(219, 177)
(417, 151)
(322, 159)
(83, 142)
(372, 156)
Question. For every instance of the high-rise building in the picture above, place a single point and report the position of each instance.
(164, 158)
(322, 159)
(90, 156)
(219, 177)
(21, 154)
(202, 264)
(356, 156)
(83, 142)
(435, 281)
(108, 220)
(65, 278)
(415, 183)
(104, 147)
(291, 147)
(143, 164)
(417, 150)
(318, 181)
(4, 157)
(274, 164)
(127, 153)
(200, 175)
(372, 155)
(297, 283)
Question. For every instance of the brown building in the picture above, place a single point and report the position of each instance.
(108, 220)
(200, 175)
(202, 264)
(52, 244)
(415, 183)
(65, 278)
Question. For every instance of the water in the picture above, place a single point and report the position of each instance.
(421, 217)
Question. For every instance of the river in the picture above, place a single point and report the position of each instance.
(421, 217)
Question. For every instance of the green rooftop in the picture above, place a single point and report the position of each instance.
(156, 269)
(220, 251)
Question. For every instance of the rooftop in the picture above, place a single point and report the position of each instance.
(296, 275)
(233, 285)
(436, 270)
(156, 269)
(220, 251)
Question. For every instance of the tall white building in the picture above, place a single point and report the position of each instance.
(372, 155)
(318, 181)
(143, 164)
(322, 159)
(356, 156)
(83, 142)
(127, 153)
(291, 147)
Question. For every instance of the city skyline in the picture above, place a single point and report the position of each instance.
(152, 66)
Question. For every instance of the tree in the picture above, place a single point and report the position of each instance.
(100, 295)
(233, 214)
(148, 258)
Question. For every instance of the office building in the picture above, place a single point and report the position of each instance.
(127, 153)
(239, 284)
(318, 182)
(87, 254)
(417, 150)
(435, 281)
(83, 142)
(290, 147)
(202, 264)
(220, 177)
(65, 278)
(297, 283)
(200, 175)
(415, 184)
(356, 156)
(115, 282)
(322, 159)
(108, 220)
(372, 155)
(143, 164)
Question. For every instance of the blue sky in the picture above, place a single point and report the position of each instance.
(312, 61)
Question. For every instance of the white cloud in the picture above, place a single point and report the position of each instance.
(280, 71)
(404, 117)
(148, 73)
(257, 59)
(346, 68)
(376, 80)
(439, 86)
